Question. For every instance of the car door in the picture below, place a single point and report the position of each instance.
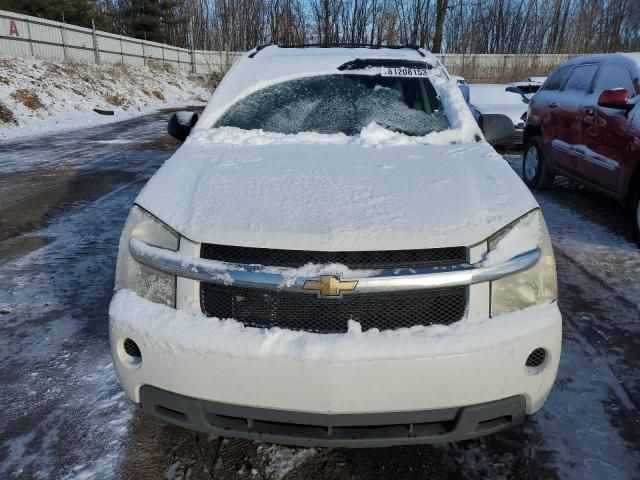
(604, 159)
(568, 127)
(543, 109)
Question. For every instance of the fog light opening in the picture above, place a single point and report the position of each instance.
(131, 348)
(536, 361)
(130, 353)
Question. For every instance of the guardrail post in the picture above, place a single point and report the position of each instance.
(96, 49)
(64, 43)
(144, 55)
(121, 51)
(193, 61)
(504, 68)
(30, 39)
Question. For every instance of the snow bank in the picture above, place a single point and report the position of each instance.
(40, 96)
(165, 328)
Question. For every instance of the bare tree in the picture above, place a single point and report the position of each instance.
(457, 26)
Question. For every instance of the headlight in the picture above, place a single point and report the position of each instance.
(533, 286)
(148, 283)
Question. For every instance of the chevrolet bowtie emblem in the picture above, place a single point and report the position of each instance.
(330, 286)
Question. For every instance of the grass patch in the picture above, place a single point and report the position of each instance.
(6, 115)
(158, 66)
(28, 98)
(116, 100)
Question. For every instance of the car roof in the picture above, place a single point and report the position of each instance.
(633, 56)
(339, 54)
(628, 59)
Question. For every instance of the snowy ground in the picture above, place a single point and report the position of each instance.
(41, 96)
(63, 200)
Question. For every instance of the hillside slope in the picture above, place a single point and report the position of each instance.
(40, 96)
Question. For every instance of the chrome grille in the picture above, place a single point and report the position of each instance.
(384, 259)
(299, 311)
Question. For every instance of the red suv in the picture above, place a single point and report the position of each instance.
(585, 123)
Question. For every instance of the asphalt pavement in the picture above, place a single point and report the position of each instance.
(63, 201)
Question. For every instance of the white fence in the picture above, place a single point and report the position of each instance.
(22, 35)
(501, 67)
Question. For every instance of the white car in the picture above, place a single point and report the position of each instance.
(509, 100)
(539, 80)
(336, 256)
(530, 85)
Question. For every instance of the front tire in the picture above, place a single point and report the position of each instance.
(535, 170)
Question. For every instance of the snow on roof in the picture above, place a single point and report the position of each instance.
(601, 57)
(634, 56)
(340, 55)
(272, 64)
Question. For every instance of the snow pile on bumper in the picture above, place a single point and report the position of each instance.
(164, 328)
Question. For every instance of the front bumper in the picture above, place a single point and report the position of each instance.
(414, 370)
(343, 430)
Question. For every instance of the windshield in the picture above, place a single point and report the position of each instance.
(340, 104)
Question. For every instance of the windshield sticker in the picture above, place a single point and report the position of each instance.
(403, 72)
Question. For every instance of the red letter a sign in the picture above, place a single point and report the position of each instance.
(13, 29)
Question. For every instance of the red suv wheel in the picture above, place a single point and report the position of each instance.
(535, 171)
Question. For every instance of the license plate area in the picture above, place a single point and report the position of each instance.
(404, 72)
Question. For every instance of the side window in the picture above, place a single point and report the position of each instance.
(613, 76)
(557, 79)
(580, 78)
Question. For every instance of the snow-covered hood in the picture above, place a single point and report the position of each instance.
(335, 195)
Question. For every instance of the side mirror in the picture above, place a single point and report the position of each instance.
(519, 91)
(496, 128)
(616, 98)
(181, 123)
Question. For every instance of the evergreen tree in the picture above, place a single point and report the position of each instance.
(76, 12)
(149, 19)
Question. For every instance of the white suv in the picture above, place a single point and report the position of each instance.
(336, 256)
